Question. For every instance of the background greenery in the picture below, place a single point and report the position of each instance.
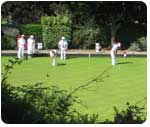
(83, 23)
(85, 37)
(31, 29)
(54, 28)
(10, 42)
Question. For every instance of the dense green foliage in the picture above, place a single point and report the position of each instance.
(139, 45)
(81, 11)
(132, 114)
(85, 37)
(37, 104)
(9, 33)
(129, 33)
(8, 42)
(54, 28)
(143, 43)
(123, 21)
(31, 29)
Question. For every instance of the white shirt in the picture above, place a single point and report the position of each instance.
(21, 42)
(30, 43)
(53, 52)
(63, 44)
(114, 48)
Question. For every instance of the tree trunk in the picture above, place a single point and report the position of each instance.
(114, 28)
(113, 35)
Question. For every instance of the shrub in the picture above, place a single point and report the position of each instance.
(133, 114)
(143, 43)
(139, 44)
(86, 36)
(54, 28)
(10, 30)
(8, 36)
(8, 42)
(134, 46)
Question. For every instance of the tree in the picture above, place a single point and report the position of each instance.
(25, 11)
(114, 14)
(110, 14)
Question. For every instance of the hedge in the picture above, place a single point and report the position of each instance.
(54, 28)
(31, 29)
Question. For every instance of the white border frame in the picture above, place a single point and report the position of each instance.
(145, 124)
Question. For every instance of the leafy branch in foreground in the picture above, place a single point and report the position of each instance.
(97, 79)
(37, 104)
(133, 114)
(8, 69)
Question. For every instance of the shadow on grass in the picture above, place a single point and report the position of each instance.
(125, 63)
(61, 64)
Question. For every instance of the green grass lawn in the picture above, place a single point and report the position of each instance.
(125, 82)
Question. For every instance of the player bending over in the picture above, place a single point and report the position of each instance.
(53, 54)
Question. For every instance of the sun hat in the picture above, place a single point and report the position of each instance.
(63, 38)
(31, 36)
(119, 44)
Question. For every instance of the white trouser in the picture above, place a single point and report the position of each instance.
(30, 52)
(33, 49)
(54, 60)
(20, 52)
(113, 58)
(63, 54)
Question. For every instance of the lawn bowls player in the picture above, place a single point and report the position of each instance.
(53, 54)
(124, 54)
(63, 45)
(113, 52)
(21, 43)
(30, 46)
(18, 37)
